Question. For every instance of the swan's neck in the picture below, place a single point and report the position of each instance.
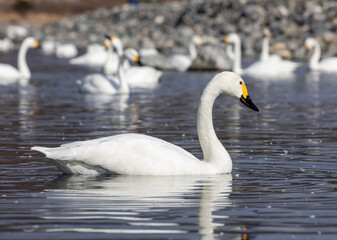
(213, 150)
(237, 59)
(193, 51)
(123, 85)
(314, 58)
(22, 63)
(108, 60)
(265, 49)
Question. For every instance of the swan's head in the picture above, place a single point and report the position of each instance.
(266, 32)
(116, 43)
(232, 84)
(310, 43)
(232, 38)
(31, 42)
(132, 55)
(198, 40)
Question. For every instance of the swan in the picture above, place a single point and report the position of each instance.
(138, 77)
(48, 47)
(102, 84)
(138, 154)
(65, 50)
(326, 65)
(183, 62)
(6, 44)
(265, 48)
(8, 73)
(94, 57)
(270, 68)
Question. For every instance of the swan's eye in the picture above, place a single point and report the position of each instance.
(240, 82)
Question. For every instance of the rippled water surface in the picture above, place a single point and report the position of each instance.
(283, 185)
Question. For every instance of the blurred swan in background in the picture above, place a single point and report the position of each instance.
(272, 67)
(183, 62)
(326, 65)
(9, 74)
(102, 84)
(67, 50)
(94, 57)
(265, 48)
(138, 154)
(6, 45)
(143, 77)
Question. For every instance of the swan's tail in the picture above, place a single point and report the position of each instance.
(65, 161)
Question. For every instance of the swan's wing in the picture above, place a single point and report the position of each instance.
(133, 154)
(98, 83)
(94, 59)
(8, 72)
(142, 77)
(329, 64)
(181, 62)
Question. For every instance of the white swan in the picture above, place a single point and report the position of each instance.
(6, 44)
(48, 47)
(183, 62)
(9, 74)
(67, 50)
(137, 154)
(265, 48)
(138, 77)
(94, 57)
(326, 65)
(271, 68)
(102, 84)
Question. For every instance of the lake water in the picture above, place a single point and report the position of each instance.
(283, 185)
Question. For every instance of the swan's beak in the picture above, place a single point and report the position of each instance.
(111, 38)
(136, 59)
(249, 103)
(36, 44)
(245, 99)
(226, 39)
(307, 47)
(107, 46)
(201, 42)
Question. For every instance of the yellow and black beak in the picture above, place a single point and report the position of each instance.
(226, 39)
(246, 100)
(307, 47)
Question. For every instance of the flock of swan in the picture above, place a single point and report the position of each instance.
(138, 154)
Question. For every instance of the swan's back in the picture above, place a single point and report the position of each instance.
(142, 77)
(131, 154)
(181, 62)
(9, 72)
(98, 84)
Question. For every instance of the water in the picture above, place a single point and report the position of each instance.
(283, 184)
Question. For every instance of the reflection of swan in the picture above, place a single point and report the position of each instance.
(182, 62)
(327, 65)
(101, 84)
(67, 50)
(129, 199)
(138, 77)
(9, 74)
(138, 154)
(272, 67)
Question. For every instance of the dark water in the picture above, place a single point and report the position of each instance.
(283, 185)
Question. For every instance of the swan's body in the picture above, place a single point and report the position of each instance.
(94, 57)
(9, 74)
(48, 47)
(183, 62)
(272, 67)
(265, 56)
(66, 50)
(137, 154)
(326, 65)
(103, 84)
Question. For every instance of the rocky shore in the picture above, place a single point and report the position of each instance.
(169, 27)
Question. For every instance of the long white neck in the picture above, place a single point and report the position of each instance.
(237, 60)
(193, 51)
(265, 49)
(314, 58)
(108, 60)
(123, 85)
(22, 63)
(213, 150)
